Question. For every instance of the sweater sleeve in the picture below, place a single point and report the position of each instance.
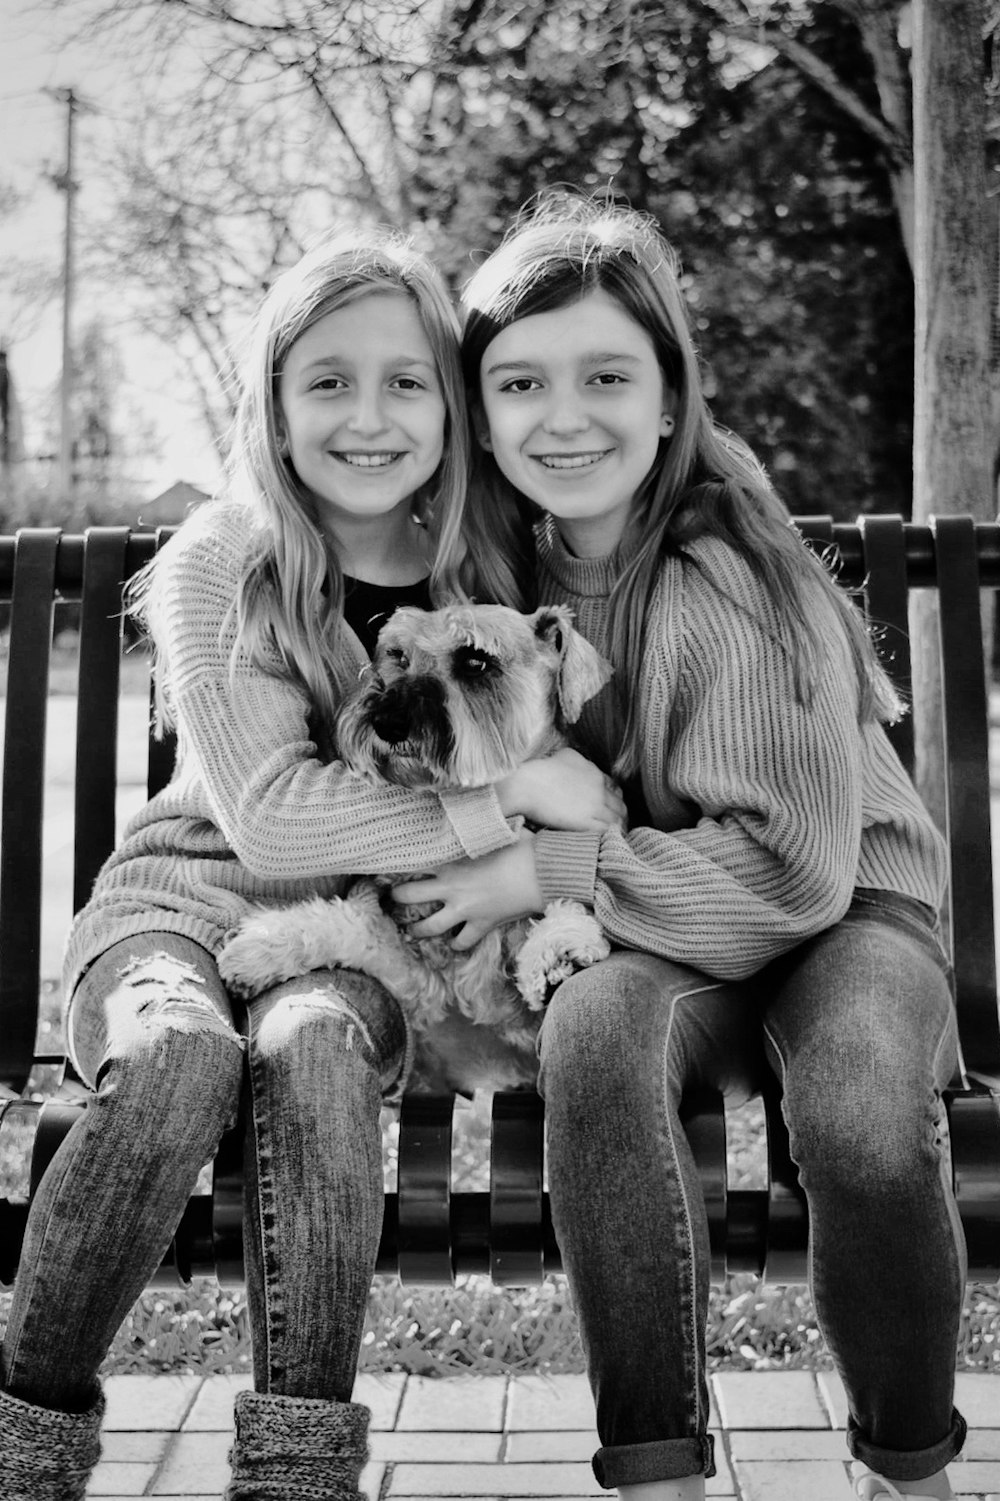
(285, 813)
(765, 853)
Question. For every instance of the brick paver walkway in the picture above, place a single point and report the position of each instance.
(779, 1437)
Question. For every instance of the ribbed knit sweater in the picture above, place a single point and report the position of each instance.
(765, 814)
(252, 815)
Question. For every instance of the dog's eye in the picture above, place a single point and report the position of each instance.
(472, 662)
(397, 657)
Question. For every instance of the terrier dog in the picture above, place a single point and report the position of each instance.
(456, 697)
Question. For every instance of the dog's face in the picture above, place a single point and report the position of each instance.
(458, 697)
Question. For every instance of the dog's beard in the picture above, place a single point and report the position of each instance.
(498, 728)
(482, 756)
(472, 738)
(422, 760)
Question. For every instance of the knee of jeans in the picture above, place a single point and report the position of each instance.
(305, 1032)
(866, 1138)
(584, 1035)
(170, 1052)
(161, 1010)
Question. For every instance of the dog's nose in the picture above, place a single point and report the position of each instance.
(391, 721)
(407, 711)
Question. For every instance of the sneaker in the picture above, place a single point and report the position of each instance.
(871, 1487)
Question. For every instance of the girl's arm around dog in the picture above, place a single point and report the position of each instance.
(765, 811)
(246, 753)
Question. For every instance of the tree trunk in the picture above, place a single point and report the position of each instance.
(878, 25)
(951, 444)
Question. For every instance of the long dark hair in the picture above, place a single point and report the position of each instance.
(704, 481)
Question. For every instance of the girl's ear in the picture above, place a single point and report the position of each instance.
(668, 414)
(480, 427)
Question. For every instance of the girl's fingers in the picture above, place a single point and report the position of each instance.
(412, 893)
(434, 926)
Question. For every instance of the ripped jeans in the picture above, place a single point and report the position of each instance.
(858, 1024)
(153, 1032)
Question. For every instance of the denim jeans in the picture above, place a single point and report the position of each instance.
(859, 1025)
(154, 1034)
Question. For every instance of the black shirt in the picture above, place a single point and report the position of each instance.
(367, 607)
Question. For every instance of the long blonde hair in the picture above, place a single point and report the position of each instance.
(289, 597)
(704, 481)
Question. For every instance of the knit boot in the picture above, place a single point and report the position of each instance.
(47, 1455)
(297, 1449)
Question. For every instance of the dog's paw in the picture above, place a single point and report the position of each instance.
(565, 939)
(364, 895)
(253, 959)
(277, 944)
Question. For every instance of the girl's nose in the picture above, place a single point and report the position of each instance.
(368, 415)
(565, 415)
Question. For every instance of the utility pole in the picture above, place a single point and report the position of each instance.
(65, 183)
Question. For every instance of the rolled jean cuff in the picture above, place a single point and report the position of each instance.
(666, 1459)
(908, 1464)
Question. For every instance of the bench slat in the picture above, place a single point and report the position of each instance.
(34, 567)
(887, 603)
(966, 736)
(161, 752)
(517, 1225)
(424, 1194)
(97, 706)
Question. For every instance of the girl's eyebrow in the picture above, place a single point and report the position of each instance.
(598, 357)
(334, 361)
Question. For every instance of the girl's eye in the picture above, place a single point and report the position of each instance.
(520, 384)
(608, 378)
(328, 383)
(407, 383)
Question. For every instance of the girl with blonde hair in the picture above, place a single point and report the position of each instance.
(343, 498)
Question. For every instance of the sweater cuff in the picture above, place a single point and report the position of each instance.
(566, 864)
(474, 814)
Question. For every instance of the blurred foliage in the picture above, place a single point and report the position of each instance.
(780, 205)
(752, 131)
(111, 442)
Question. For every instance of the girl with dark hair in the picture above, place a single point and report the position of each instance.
(775, 899)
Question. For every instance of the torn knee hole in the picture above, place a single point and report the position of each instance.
(177, 995)
(329, 1001)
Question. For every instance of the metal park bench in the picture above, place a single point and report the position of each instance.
(431, 1232)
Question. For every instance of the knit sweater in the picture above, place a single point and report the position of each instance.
(764, 813)
(252, 815)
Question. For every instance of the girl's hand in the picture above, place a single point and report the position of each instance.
(563, 791)
(476, 895)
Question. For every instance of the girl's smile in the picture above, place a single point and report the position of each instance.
(363, 410)
(572, 460)
(364, 460)
(575, 402)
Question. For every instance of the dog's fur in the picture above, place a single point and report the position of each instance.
(456, 697)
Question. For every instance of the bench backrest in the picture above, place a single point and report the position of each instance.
(430, 1231)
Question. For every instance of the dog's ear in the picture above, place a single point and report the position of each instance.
(581, 671)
